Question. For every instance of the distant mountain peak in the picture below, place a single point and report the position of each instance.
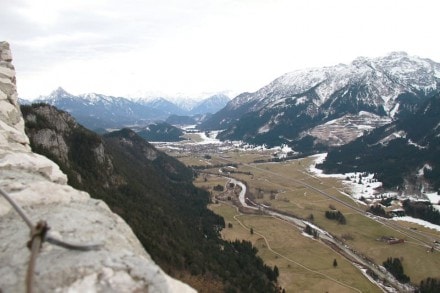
(59, 92)
(398, 54)
(211, 104)
(91, 96)
(98, 111)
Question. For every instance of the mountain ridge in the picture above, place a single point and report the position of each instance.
(287, 108)
(98, 111)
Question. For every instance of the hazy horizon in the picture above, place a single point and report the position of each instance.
(184, 48)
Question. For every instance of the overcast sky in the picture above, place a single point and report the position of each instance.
(193, 47)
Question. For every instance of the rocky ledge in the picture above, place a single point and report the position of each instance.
(120, 265)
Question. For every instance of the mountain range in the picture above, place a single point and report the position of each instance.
(324, 107)
(97, 111)
(357, 112)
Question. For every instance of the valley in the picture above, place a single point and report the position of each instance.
(220, 146)
(323, 170)
(279, 192)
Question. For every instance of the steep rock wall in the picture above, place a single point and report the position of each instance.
(40, 188)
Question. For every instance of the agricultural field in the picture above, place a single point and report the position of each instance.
(271, 184)
(306, 264)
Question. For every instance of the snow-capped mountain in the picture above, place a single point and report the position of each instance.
(100, 111)
(211, 104)
(185, 103)
(164, 105)
(289, 109)
(187, 106)
(97, 111)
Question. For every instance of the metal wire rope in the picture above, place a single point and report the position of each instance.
(39, 234)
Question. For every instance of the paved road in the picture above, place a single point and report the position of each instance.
(417, 236)
(326, 237)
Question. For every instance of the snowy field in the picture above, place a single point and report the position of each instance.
(434, 198)
(211, 138)
(365, 187)
(418, 221)
(359, 184)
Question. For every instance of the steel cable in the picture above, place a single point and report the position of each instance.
(39, 234)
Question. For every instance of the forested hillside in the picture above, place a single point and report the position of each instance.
(155, 195)
(403, 150)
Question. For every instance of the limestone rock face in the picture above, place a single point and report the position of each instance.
(40, 188)
(51, 139)
(12, 134)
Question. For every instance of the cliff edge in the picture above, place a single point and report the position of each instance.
(40, 188)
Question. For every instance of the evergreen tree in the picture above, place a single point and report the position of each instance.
(276, 271)
(429, 285)
(394, 266)
(422, 210)
(336, 215)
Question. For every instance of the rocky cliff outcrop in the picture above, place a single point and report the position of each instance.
(40, 188)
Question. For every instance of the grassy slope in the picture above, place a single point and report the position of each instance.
(292, 197)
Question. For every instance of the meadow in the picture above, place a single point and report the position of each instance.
(306, 264)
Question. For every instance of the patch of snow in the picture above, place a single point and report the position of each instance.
(277, 103)
(394, 110)
(319, 159)
(189, 127)
(263, 129)
(418, 221)
(386, 98)
(392, 136)
(307, 235)
(366, 187)
(433, 197)
(360, 184)
(421, 171)
(323, 232)
(300, 101)
(211, 139)
(410, 142)
(286, 149)
(367, 114)
(364, 127)
(379, 283)
(332, 122)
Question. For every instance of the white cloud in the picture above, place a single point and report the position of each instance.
(135, 46)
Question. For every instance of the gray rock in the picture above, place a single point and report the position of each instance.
(40, 188)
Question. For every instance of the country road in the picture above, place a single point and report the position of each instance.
(326, 237)
(413, 234)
